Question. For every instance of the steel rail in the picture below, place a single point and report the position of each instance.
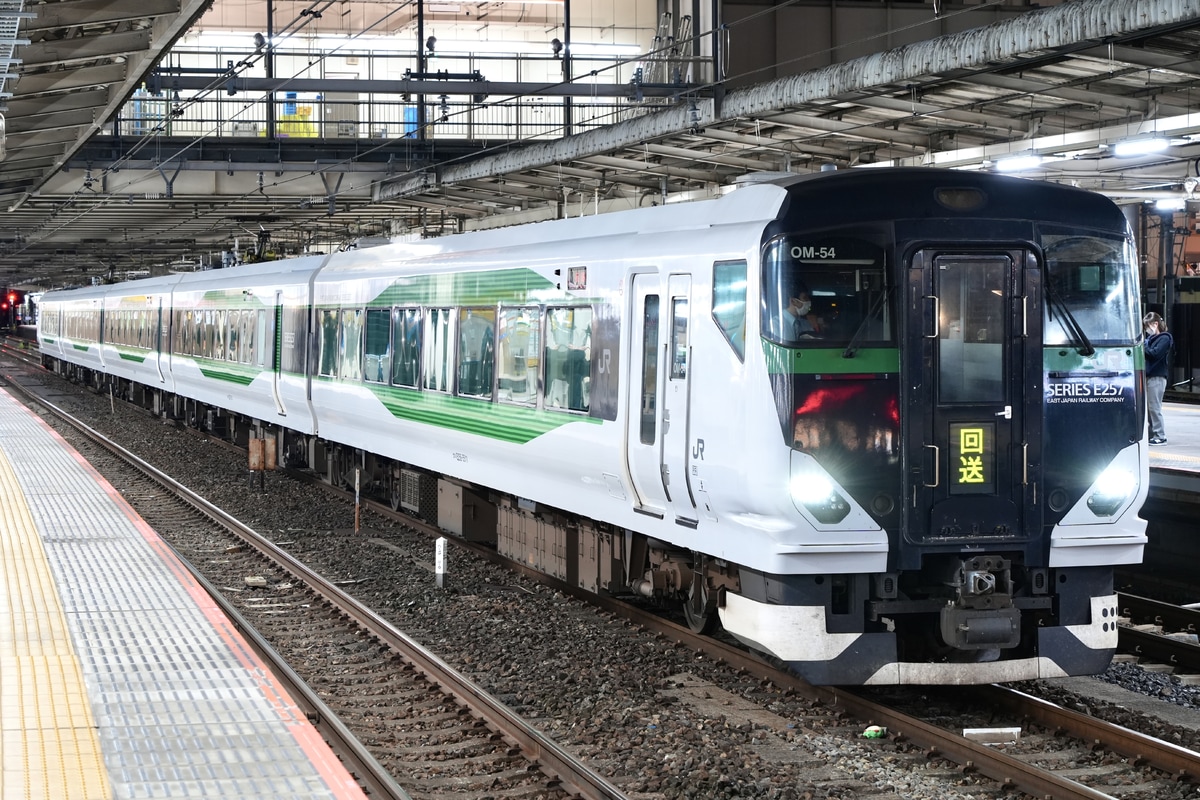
(1178, 762)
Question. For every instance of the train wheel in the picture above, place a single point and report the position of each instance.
(699, 609)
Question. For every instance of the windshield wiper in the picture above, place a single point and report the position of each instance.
(852, 346)
(1067, 320)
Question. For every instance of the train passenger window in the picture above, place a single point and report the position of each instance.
(476, 351)
(518, 350)
(377, 346)
(233, 332)
(729, 303)
(1089, 283)
(438, 349)
(568, 358)
(351, 344)
(406, 338)
(679, 338)
(329, 342)
(203, 326)
(822, 290)
(649, 392)
(218, 331)
(245, 336)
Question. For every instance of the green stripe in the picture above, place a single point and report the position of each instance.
(506, 423)
(829, 360)
(241, 374)
(140, 359)
(486, 287)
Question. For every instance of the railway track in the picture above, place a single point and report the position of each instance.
(1161, 632)
(1093, 751)
(432, 725)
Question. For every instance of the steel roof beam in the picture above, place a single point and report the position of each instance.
(81, 13)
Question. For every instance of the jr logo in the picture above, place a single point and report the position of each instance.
(698, 450)
(605, 361)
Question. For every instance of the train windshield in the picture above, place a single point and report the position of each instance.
(1091, 296)
(825, 291)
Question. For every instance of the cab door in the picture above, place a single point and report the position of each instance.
(974, 352)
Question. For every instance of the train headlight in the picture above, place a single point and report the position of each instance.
(816, 493)
(1112, 489)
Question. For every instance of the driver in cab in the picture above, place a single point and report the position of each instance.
(797, 321)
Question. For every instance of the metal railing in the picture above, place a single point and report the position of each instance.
(171, 105)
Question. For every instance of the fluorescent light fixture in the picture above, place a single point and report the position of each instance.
(1140, 147)
(1170, 204)
(1019, 163)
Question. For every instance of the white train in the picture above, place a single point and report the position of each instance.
(886, 425)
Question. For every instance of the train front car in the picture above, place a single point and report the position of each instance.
(956, 356)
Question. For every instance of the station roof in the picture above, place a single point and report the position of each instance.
(1065, 83)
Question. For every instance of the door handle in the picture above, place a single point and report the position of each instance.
(937, 466)
(936, 322)
(1006, 413)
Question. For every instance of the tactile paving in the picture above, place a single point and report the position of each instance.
(124, 666)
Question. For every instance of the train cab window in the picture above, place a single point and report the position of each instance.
(329, 343)
(823, 290)
(476, 351)
(350, 344)
(437, 356)
(568, 358)
(517, 355)
(729, 303)
(406, 340)
(1089, 289)
(377, 346)
(971, 328)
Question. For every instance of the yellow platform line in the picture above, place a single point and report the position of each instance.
(49, 745)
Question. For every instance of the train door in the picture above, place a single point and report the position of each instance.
(644, 426)
(659, 384)
(676, 419)
(271, 346)
(162, 332)
(975, 355)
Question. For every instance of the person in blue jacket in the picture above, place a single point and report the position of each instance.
(1158, 357)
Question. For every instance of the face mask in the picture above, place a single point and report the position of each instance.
(804, 308)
